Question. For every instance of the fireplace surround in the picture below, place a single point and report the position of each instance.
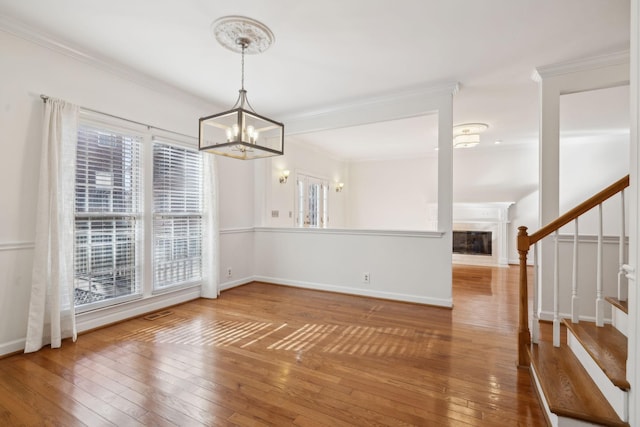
(486, 222)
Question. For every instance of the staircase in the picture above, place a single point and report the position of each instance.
(580, 370)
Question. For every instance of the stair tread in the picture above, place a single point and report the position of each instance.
(568, 388)
(608, 348)
(622, 305)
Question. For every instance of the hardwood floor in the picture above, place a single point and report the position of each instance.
(274, 355)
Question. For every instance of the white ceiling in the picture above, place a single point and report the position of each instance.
(336, 52)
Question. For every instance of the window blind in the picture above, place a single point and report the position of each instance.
(177, 215)
(107, 214)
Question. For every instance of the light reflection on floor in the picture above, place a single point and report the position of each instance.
(335, 339)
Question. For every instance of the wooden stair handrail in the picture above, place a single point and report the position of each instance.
(524, 243)
(582, 208)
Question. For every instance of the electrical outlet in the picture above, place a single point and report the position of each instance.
(229, 273)
(366, 277)
(275, 214)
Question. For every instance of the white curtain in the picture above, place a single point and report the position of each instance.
(51, 310)
(211, 232)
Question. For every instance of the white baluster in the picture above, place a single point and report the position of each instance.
(556, 292)
(622, 290)
(575, 300)
(535, 325)
(599, 274)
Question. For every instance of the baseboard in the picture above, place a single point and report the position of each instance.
(11, 347)
(235, 283)
(516, 261)
(547, 316)
(439, 302)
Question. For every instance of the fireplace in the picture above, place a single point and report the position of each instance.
(472, 242)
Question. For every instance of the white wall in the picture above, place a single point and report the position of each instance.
(587, 262)
(31, 69)
(333, 258)
(236, 210)
(401, 265)
(393, 194)
(301, 158)
(587, 168)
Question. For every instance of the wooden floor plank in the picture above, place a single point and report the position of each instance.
(273, 355)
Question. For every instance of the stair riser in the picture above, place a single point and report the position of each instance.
(551, 417)
(617, 398)
(619, 320)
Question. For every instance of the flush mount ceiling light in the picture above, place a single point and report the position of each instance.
(467, 135)
(241, 133)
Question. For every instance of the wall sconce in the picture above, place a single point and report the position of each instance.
(283, 176)
(339, 187)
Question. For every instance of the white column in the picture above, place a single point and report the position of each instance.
(556, 291)
(633, 359)
(554, 80)
(503, 233)
(549, 176)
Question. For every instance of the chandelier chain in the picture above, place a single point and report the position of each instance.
(244, 46)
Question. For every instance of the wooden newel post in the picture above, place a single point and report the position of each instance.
(524, 336)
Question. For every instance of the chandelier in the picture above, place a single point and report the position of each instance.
(241, 133)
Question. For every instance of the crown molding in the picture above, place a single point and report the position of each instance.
(33, 35)
(448, 88)
(584, 64)
(409, 102)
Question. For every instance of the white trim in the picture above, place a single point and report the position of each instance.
(47, 41)
(237, 230)
(16, 246)
(12, 346)
(440, 302)
(552, 417)
(548, 317)
(593, 239)
(410, 102)
(620, 320)
(447, 88)
(352, 232)
(235, 283)
(516, 261)
(616, 397)
(578, 65)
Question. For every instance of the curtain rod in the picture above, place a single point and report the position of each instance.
(45, 98)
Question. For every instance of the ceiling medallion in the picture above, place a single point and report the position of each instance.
(229, 29)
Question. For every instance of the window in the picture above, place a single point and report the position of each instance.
(177, 215)
(108, 215)
(111, 219)
(311, 197)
